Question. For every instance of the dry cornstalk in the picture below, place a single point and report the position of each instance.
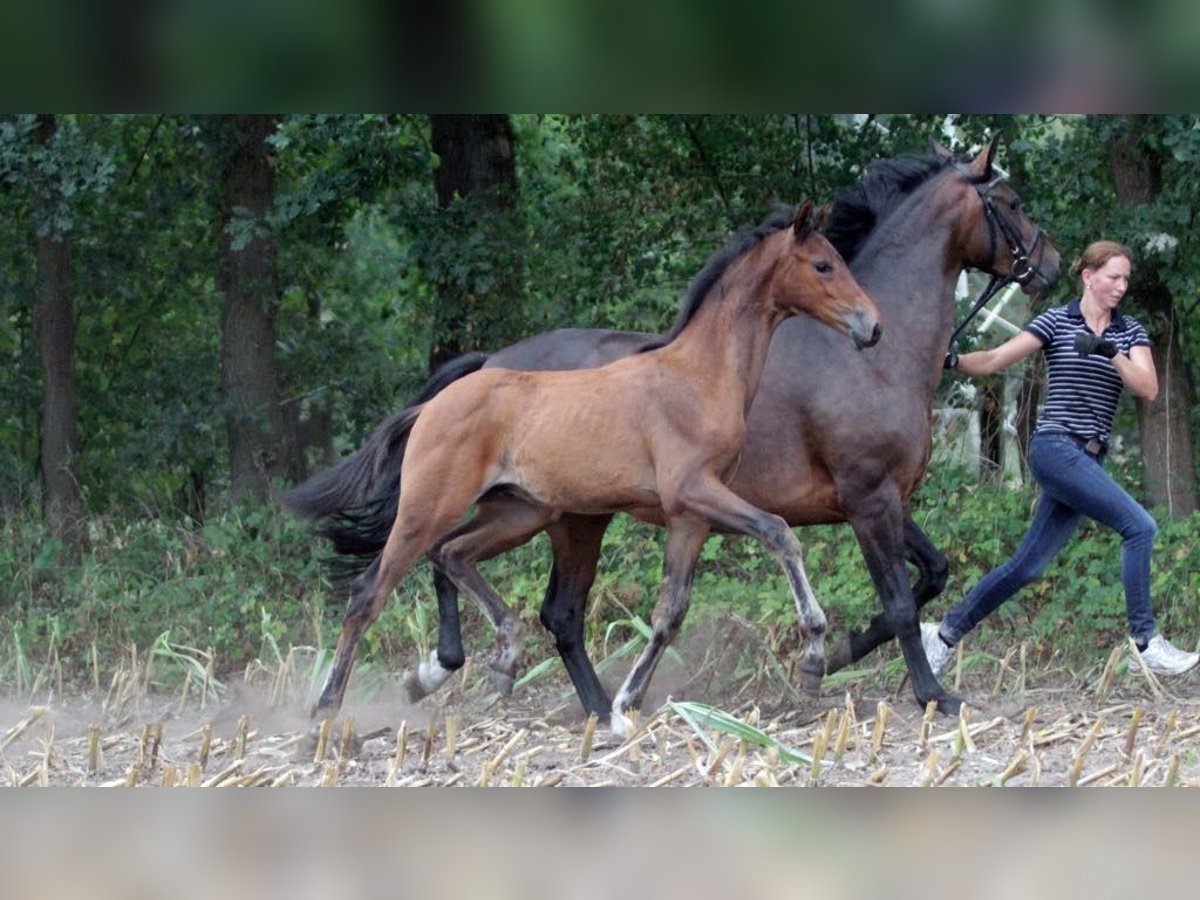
(322, 740)
(427, 747)
(1015, 766)
(94, 760)
(1110, 671)
(1134, 721)
(1030, 715)
(239, 741)
(205, 744)
(225, 774)
(927, 724)
(1095, 776)
(1082, 752)
(722, 751)
(929, 766)
(589, 731)
(1172, 717)
(1000, 672)
(346, 744)
(35, 715)
(490, 767)
(735, 771)
(881, 716)
(452, 723)
(1172, 771)
(401, 746)
(1135, 774)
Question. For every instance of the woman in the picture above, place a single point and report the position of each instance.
(1092, 352)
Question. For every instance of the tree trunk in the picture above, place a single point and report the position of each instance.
(54, 322)
(249, 381)
(991, 431)
(478, 166)
(1168, 471)
(1168, 451)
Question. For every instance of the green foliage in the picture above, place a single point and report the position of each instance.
(241, 585)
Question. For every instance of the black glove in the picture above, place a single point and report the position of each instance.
(951, 361)
(1088, 343)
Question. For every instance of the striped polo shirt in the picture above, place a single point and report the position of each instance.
(1083, 390)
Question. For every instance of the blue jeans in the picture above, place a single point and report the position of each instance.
(1074, 484)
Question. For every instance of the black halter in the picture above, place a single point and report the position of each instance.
(1022, 270)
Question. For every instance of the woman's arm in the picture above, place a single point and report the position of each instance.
(985, 362)
(1137, 371)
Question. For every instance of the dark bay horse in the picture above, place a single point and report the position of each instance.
(659, 429)
(833, 436)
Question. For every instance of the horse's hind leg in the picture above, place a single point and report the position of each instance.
(932, 569)
(500, 526)
(576, 541)
(448, 657)
(417, 526)
(878, 520)
(685, 538)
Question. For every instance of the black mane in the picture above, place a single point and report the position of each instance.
(707, 277)
(857, 209)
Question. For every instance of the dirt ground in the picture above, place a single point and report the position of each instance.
(1022, 727)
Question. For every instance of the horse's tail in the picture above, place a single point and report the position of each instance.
(354, 502)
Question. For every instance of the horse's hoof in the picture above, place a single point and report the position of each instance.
(413, 688)
(809, 674)
(947, 703)
(840, 656)
(503, 682)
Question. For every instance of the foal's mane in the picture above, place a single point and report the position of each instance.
(706, 279)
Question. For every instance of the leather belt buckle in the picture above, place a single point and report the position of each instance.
(1093, 447)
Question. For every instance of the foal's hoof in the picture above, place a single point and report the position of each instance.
(621, 725)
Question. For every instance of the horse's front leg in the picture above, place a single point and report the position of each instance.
(932, 569)
(878, 521)
(685, 538)
(729, 512)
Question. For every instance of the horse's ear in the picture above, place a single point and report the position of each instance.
(939, 149)
(981, 165)
(803, 224)
(821, 217)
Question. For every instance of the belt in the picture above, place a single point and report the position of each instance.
(1091, 446)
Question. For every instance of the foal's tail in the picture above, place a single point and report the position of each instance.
(354, 502)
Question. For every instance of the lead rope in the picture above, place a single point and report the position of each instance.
(997, 282)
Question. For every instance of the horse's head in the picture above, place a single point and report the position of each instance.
(811, 277)
(1009, 243)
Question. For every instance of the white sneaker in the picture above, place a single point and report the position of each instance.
(1163, 658)
(936, 651)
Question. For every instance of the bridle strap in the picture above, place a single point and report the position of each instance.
(1022, 270)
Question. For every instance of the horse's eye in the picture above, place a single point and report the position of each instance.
(823, 267)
